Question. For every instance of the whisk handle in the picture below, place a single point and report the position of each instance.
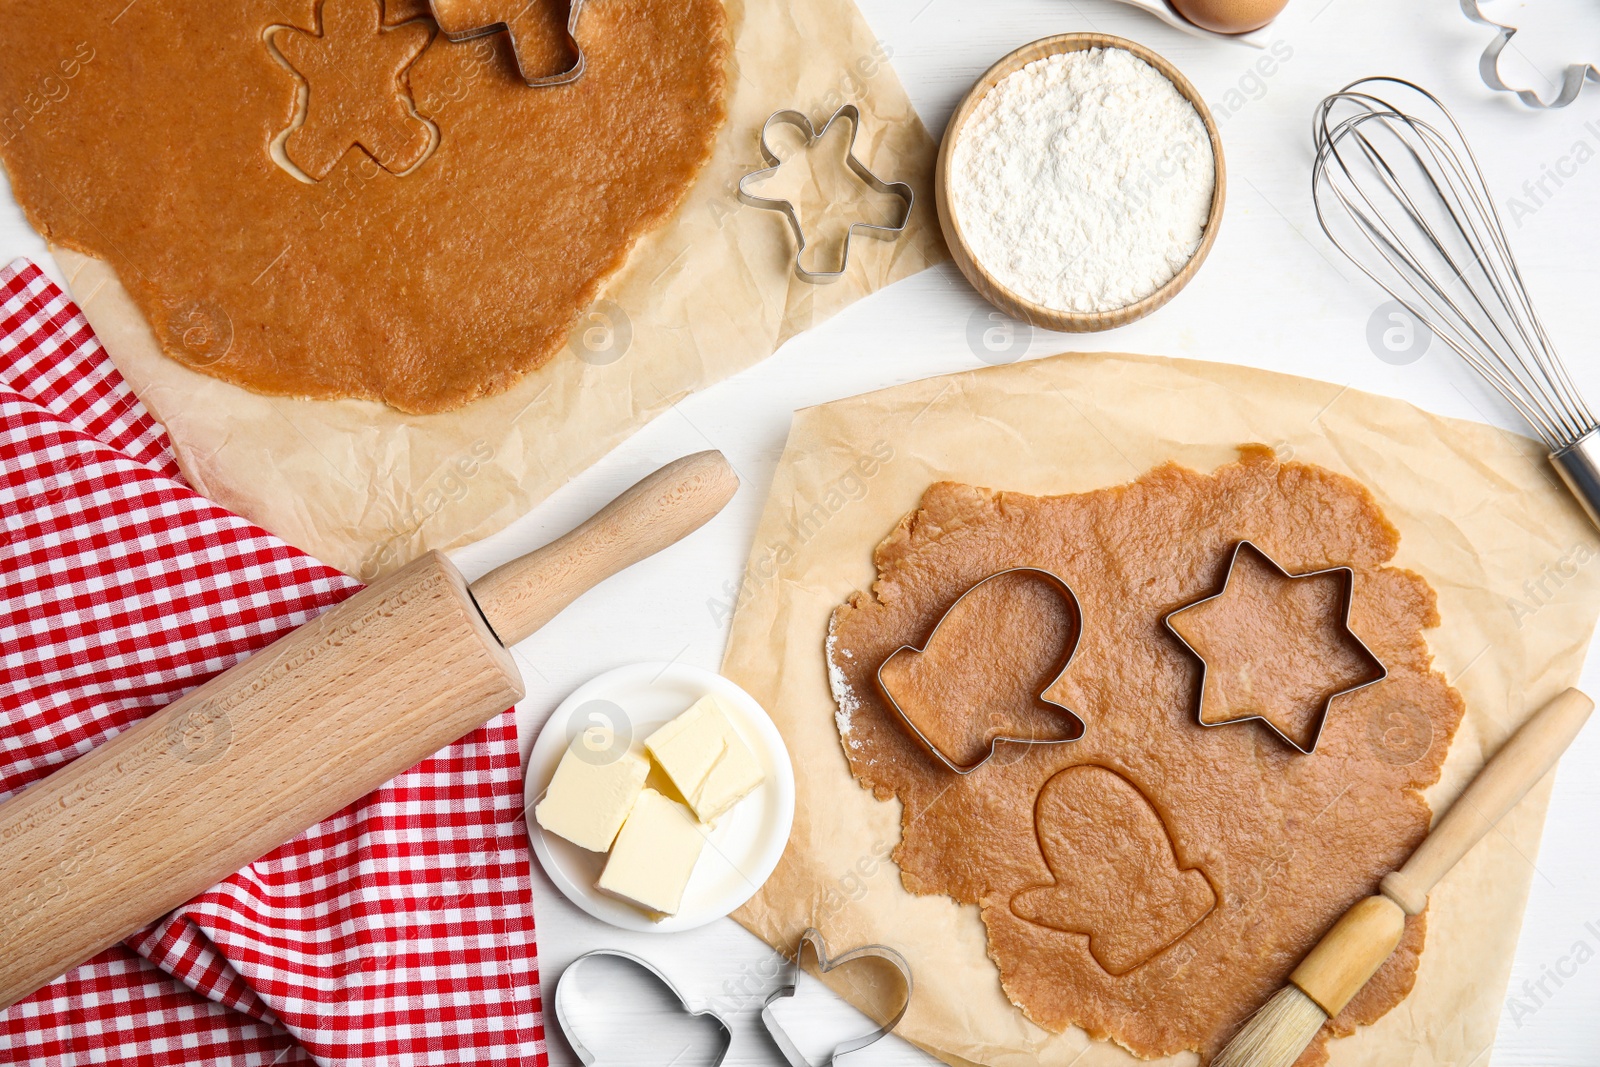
(1579, 466)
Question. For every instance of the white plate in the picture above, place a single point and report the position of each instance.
(742, 847)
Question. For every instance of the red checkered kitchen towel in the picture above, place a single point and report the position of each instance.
(398, 932)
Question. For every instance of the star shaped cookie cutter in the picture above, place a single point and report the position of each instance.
(812, 938)
(1348, 577)
(802, 122)
(1572, 78)
(1071, 599)
(470, 32)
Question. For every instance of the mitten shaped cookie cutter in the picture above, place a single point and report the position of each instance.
(1572, 78)
(1347, 578)
(1071, 600)
(563, 994)
(544, 81)
(802, 122)
(812, 939)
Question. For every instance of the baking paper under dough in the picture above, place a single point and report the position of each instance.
(1162, 903)
(713, 291)
(446, 276)
(1479, 515)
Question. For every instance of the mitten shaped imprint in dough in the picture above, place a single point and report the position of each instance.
(983, 673)
(1118, 878)
(354, 91)
(1285, 842)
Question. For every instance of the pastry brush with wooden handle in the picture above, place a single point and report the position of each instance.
(1350, 953)
(314, 721)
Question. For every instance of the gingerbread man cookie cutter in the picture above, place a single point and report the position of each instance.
(1572, 78)
(812, 939)
(458, 33)
(802, 122)
(1347, 578)
(906, 720)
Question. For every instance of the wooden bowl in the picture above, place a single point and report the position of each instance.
(998, 294)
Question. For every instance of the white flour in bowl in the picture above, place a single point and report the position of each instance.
(1083, 181)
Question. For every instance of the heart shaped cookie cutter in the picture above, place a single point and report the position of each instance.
(812, 939)
(802, 122)
(565, 984)
(906, 720)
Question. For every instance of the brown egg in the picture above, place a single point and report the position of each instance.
(1229, 16)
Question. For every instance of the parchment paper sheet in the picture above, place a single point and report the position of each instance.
(1512, 559)
(366, 489)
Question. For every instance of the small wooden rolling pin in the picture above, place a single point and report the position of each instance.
(132, 829)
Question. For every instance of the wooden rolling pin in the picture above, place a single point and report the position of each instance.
(148, 820)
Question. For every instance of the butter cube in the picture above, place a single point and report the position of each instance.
(654, 855)
(706, 759)
(588, 798)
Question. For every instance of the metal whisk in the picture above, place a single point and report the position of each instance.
(1400, 192)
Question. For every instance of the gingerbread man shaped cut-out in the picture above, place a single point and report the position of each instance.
(353, 90)
(1118, 879)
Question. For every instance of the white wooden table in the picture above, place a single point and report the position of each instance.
(1273, 295)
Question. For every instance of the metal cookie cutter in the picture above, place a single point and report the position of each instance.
(1349, 576)
(563, 992)
(819, 948)
(1489, 64)
(1071, 599)
(800, 121)
(468, 33)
